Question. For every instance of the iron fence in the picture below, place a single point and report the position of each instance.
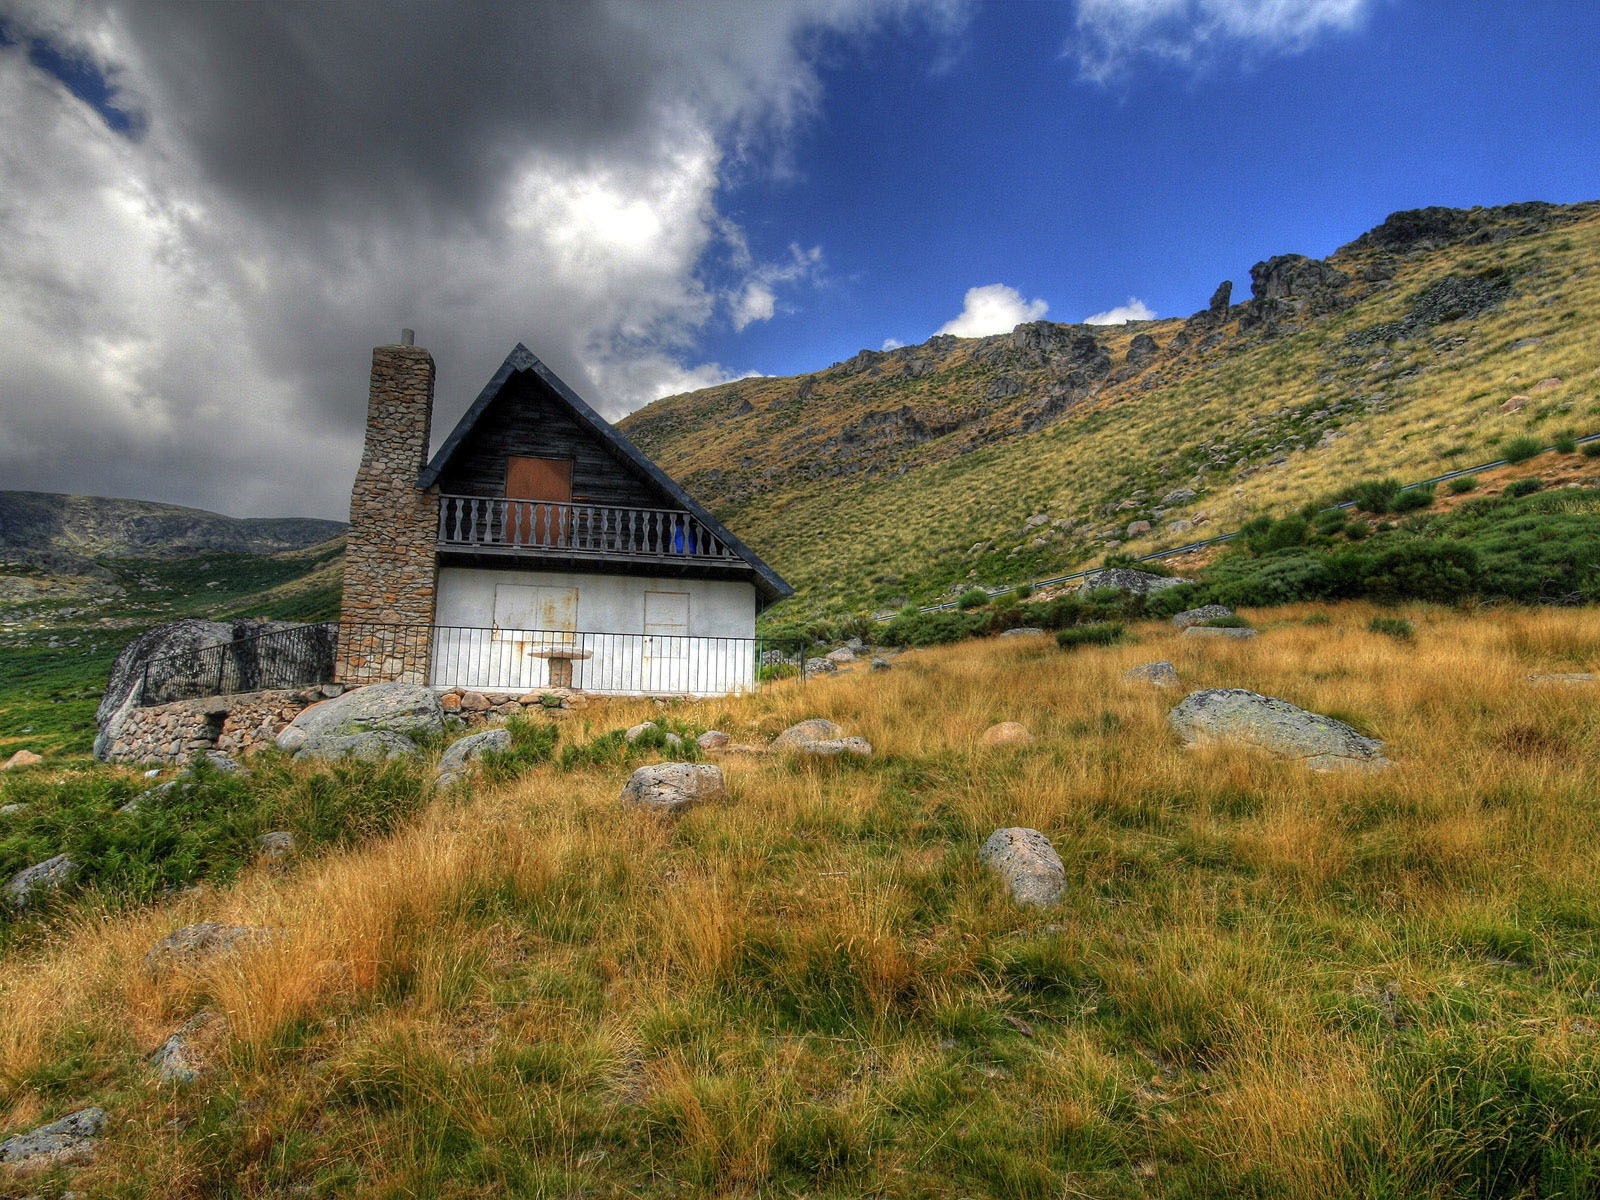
(481, 659)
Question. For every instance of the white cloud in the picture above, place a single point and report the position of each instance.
(758, 300)
(1113, 34)
(1134, 310)
(891, 344)
(993, 308)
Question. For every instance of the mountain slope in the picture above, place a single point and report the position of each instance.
(1418, 347)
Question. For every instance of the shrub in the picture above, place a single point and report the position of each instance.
(928, 629)
(1374, 495)
(1591, 449)
(1023, 592)
(1411, 499)
(972, 598)
(1463, 485)
(1522, 487)
(1331, 522)
(1520, 449)
(1566, 444)
(1395, 627)
(532, 743)
(1419, 570)
(1356, 531)
(1105, 633)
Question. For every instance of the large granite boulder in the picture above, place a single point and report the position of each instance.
(816, 729)
(1199, 616)
(36, 882)
(1028, 863)
(1267, 723)
(178, 660)
(340, 727)
(672, 787)
(70, 1139)
(1124, 579)
(456, 762)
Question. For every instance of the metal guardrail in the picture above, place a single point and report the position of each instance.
(527, 526)
(1190, 547)
(494, 660)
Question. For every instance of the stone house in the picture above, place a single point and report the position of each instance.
(539, 548)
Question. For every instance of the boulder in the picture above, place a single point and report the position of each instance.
(1160, 674)
(195, 943)
(842, 655)
(1179, 496)
(712, 739)
(399, 710)
(1209, 631)
(638, 731)
(278, 844)
(218, 761)
(835, 748)
(1276, 726)
(1137, 529)
(1199, 616)
(184, 1056)
(674, 786)
(456, 762)
(70, 1139)
(1028, 863)
(377, 746)
(814, 730)
(1026, 631)
(35, 882)
(8, 810)
(881, 664)
(1007, 733)
(22, 758)
(1123, 579)
(820, 666)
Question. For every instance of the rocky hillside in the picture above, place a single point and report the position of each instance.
(1417, 348)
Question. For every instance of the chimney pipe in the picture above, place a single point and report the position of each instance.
(408, 337)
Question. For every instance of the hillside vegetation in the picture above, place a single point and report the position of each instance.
(1428, 344)
(1261, 981)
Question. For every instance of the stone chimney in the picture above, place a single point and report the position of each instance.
(385, 626)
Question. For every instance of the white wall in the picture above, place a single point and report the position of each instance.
(609, 633)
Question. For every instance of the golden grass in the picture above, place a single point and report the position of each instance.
(1256, 973)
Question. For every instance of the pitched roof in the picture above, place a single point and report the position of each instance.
(521, 359)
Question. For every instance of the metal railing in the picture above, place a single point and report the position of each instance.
(300, 656)
(516, 661)
(526, 526)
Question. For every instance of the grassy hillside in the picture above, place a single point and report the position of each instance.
(1425, 345)
(1261, 981)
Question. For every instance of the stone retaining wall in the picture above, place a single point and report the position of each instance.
(236, 725)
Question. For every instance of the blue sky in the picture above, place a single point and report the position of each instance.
(209, 213)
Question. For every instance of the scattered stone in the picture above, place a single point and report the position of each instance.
(1007, 733)
(194, 943)
(842, 655)
(71, 1139)
(638, 731)
(222, 762)
(881, 664)
(1515, 404)
(184, 1056)
(1137, 529)
(674, 786)
(1036, 520)
(1198, 616)
(712, 739)
(820, 666)
(1281, 728)
(276, 845)
(1537, 677)
(1025, 631)
(1179, 496)
(1212, 631)
(22, 758)
(35, 882)
(394, 710)
(836, 748)
(815, 729)
(1548, 385)
(1160, 674)
(7, 810)
(376, 746)
(456, 762)
(1028, 863)
(1124, 579)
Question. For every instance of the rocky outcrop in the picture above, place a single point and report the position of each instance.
(1420, 229)
(1199, 616)
(1123, 579)
(674, 786)
(378, 720)
(1290, 287)
(32, 884)
(1028, 863)
(70, 1139)
(1142, 351)
(456, 762)
(1276, 726)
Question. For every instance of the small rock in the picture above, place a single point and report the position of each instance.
(277, 844)
(22, 758)
(219, 761)
(814, 730)
(456, 762)
(638, 731)
(712, 739)
(71, 1139)
(1178, 496)
(1028, 863)
(33, 883)
(819, 666)
(1025, 631)
(194, 943)
(182, 1057)
(835, 748)
(1211, 631)
(842, 655)
(1124, 579)
(1276, 726)
(1137, 529)
(1198, 616)
(881, 664)
(1548, 385)
(7, 810)
(1161, 674)
(1007, 733)
(1515, 404)
(1537, 677)
(674, 786)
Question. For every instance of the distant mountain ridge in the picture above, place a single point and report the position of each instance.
(60, 532)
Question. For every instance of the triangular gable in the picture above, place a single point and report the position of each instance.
(522, 359)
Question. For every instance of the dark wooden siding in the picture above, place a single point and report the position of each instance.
(525, 420)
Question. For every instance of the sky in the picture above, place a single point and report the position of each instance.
(210, 213)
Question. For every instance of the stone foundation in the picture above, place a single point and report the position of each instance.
(178, 732)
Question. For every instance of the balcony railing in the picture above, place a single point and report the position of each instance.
(601, 531)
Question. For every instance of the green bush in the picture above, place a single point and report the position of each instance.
(1357, 531)
(1023, 592)
(1463, 485)
(1522, 487)
(1520, 449)
(929, 629)
(1395, 627)
(1105, 633)
(1591, 449)
(1331, 522)
(1566, 444)
(1373, 495)
(973, 598)
(1411, 499)
(1233, 622)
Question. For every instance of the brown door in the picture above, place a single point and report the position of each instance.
(548, 482)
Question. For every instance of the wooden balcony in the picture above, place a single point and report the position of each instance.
(482, 525)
